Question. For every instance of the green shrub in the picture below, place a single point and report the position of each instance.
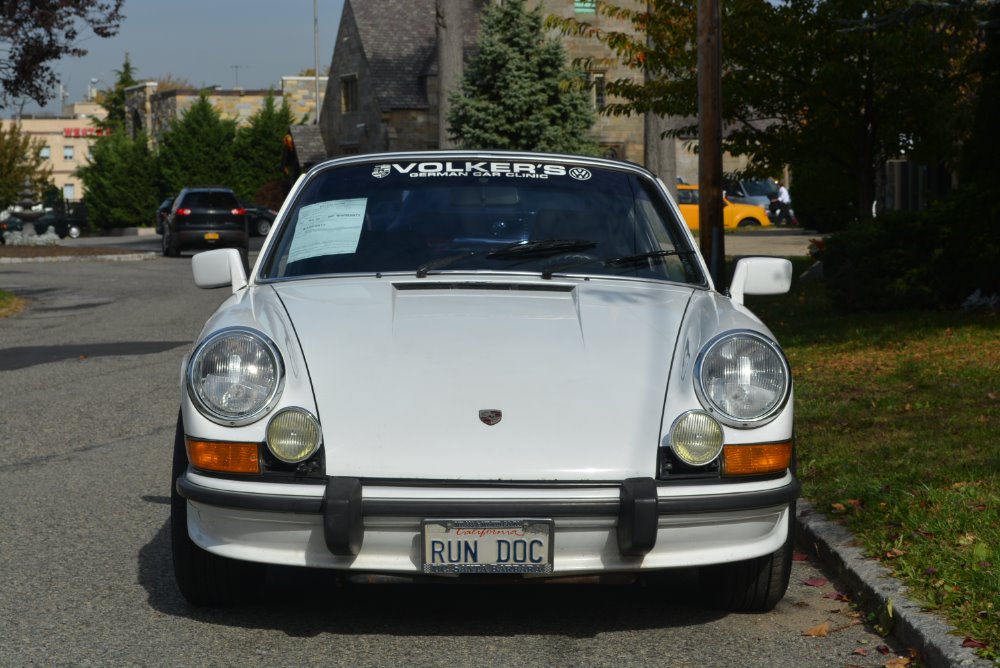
(926, 259)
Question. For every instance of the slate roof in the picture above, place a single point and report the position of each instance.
(309, 147)
(399, 40)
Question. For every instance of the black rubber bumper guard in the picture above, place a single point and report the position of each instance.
(637, 508)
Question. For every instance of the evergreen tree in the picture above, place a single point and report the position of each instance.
(20, 158)
(120, 181)
(197, 150)
(113, 100)
(517, 93)
(258, 149)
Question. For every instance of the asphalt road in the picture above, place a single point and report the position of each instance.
(89, 384)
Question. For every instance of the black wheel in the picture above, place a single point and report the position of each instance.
(748, 222)
(754, 585)
(205, 579)
(262, 226)
(73, 232)
(170, 248)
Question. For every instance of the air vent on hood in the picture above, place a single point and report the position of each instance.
(483, 285)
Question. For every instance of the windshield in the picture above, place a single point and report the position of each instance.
(481, 216)
(765, 187)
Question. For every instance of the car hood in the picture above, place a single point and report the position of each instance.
(577, 372)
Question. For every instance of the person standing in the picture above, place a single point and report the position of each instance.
(781, 206)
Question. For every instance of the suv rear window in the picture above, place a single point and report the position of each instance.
(210, 199)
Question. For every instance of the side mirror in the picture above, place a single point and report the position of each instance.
(219, 268)
(760, 276)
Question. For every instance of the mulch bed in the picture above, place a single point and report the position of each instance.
(61, 251)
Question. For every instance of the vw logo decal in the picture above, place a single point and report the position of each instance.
(579, 173)
(381, 171)
(490, 416)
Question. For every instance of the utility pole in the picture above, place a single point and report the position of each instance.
(236, 72)
(710, 236)
(316, 57)
(448, 19)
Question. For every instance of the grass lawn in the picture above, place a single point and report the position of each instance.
(9, 304)
(896, 419)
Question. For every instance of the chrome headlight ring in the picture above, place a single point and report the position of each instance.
(742, 378)
(235, 376)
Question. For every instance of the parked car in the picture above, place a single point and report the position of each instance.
(261, 218)
(458, 364)
(62, 225)
(734, 215)
(205, 218)
(758, 192)
(162, 212)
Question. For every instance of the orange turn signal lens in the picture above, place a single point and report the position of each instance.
(756, 458)
(223, 457)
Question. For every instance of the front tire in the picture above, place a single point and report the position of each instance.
(754, 585)
(205, 579)
(748, 222)
(263, 226)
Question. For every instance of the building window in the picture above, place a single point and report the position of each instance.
(45, 153)
(349, 94)
(585, 6)
(597, 82)
(67, 153)
(69, 191)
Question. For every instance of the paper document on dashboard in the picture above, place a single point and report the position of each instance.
(328, 228)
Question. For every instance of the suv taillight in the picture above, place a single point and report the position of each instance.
(183, 212)
(238, 212)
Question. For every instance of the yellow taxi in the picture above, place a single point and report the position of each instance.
(733, 215)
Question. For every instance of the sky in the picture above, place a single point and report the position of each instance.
(252, 43)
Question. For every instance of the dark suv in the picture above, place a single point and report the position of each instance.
(205, 218)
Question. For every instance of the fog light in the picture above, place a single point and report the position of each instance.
(696, 438)
(757, 459)
(223, 456)
(293, 435)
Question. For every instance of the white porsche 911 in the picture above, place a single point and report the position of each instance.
(484, 366)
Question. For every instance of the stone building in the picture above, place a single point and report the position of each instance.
(384, 92)
(383, 95)
(151, 111)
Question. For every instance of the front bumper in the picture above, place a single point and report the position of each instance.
(375, 526)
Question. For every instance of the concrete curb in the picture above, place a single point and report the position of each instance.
(872, 586)
(116, 257)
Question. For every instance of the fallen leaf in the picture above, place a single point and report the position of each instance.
(884, 650)
(973, 643)
(861, 651)
(930, 570)
(838, 507)
(814, 582)
(799, 556)
(836, 596)
(897, 662)
(855, 503)
(894, 553)
(82, 357)
(820, 631)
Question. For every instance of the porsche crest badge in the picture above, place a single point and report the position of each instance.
(490, 416)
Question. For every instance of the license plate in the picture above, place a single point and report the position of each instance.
(487, 546)
(211, 236)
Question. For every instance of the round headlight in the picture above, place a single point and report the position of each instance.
(743, 378)
(235, 376)
(696, 438)
(293, 435)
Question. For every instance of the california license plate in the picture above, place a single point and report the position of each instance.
(487, 546)
(211, 236)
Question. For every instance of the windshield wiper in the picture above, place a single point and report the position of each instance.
(542, 247)
(536, 248)
(626, 261)
(632, 260)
